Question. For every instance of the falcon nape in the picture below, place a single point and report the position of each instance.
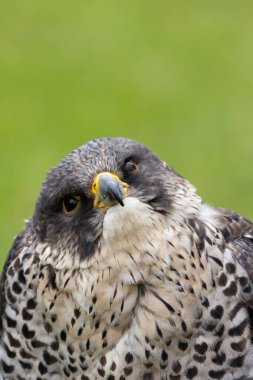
(123, 273)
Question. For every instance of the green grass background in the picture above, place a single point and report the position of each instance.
(177, 76)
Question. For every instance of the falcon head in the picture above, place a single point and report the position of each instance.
(107, 189)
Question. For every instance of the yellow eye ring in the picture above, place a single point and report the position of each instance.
(71, 204)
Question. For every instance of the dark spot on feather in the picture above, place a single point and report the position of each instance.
(216, 260)
(205, 302)
(16, 288)
(222, 280)
(26, 316)
(49, 359)
(42, 368)
(191, 372)
(237, 362)
(48, 327)
(129, 358)
(38, 344)
(72, 368)
(13, 342)
(25, 365)
(97, 324)
(128, 371)
(216, 374)
(201, 348)
(77, 313)
(183, 325)
(219, 359)
(159, 331)
(217, 312)
(70, 349)
(209, 327)
(31, 304)
(7, 368)
(236, 309)
(225, 233)
(238, 330)
(220, 331)
(21, 277)
(113, 366)
(10, 353)
(103, 361)
(10, 322)
(230, 268)
(29, 334)
(243, 280)
(199, 358)
(63, 335)
(239, 346)
(55, 346)
(164, 355)
(231, 290)
(217, 346)
(176, 367)
(182, 345)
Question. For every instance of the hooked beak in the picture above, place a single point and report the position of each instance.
(108, 190)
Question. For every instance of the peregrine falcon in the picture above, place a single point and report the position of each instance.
(123, 273)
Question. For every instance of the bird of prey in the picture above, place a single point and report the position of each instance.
(123, 273)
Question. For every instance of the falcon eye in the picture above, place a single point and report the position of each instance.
(130, 166)
(71, 204)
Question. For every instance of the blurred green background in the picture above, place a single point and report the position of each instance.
(177, 76)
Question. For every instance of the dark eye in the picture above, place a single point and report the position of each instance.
(71, 204)
(130, 166)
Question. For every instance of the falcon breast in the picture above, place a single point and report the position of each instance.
(123, 273)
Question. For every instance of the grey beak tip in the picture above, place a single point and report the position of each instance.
(111, 189)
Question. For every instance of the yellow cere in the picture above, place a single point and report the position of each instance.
(95, 183)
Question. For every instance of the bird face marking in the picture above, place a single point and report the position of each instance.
(82, 188)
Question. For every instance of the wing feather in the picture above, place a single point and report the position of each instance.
(238, 231)
(21, 241)
(238, 235)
